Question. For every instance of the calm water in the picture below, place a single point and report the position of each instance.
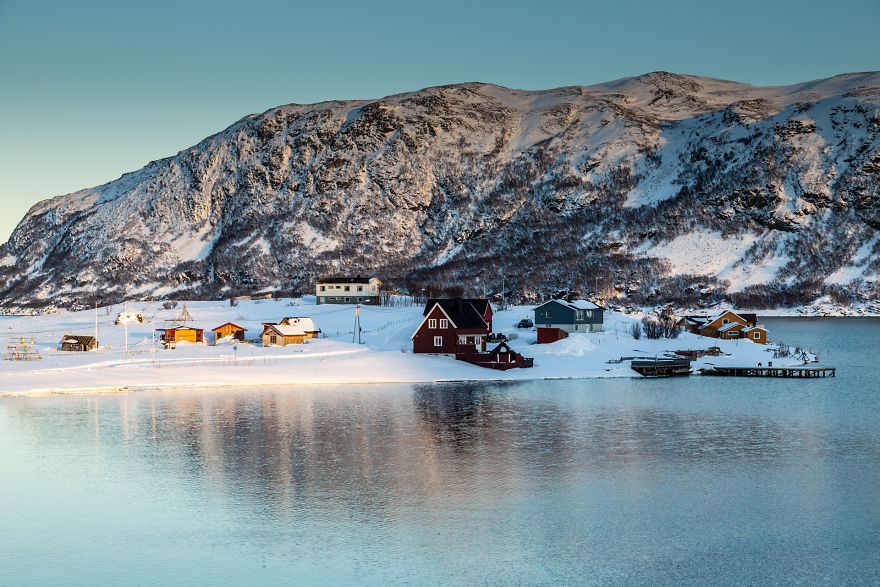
(699, 480)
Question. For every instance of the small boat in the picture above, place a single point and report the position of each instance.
(660, 367)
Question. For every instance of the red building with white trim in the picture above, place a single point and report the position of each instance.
(450, 324)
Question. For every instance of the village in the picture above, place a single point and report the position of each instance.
(350, 332)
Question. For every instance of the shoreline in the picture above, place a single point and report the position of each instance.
(128, 362)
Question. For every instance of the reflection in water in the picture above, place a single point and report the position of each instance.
(534, 482)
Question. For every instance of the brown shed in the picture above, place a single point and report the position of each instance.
(229, 329)
(72, 342)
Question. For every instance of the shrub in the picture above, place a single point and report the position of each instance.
(636, 330)
(652, 328)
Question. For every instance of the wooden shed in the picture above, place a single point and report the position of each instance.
(229, 329)
(73, 342)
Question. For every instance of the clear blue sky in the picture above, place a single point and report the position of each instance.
(91, 90)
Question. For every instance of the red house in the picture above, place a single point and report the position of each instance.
(451, 324)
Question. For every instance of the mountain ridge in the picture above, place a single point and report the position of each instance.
(461, 183)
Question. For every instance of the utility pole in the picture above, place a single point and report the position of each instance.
(153, 338)
(502, 292)
(97, 343)
(357, 324)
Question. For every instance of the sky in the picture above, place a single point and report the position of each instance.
(92, 90)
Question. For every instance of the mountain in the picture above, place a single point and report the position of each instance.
(654, 188)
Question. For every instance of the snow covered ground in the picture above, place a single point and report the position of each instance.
(384, 356)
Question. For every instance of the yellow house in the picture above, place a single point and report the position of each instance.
(728, 325)
(171, 336)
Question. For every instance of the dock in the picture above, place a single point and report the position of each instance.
(792, 372)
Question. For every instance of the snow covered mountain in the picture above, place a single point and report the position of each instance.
(653, 188)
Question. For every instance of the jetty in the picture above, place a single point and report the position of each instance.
(792, 372)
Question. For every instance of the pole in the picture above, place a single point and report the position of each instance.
(502, 291)
(97, 344)
(125, 309)
(153, 338)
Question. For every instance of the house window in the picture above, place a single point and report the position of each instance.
(432, 323)
(725, 320)
(273, 339)
(338, 298)
(444, 323)
(347, 299)
(757, 335)
(347, 288)
(462, 340)
(438, 341)
(546, 314)
(323, 288)
(360, 288)
(360, 299)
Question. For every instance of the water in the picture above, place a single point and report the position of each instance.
(697, 480)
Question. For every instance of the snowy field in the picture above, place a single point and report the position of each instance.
(126, 360)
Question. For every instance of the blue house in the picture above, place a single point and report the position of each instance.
(557, 319)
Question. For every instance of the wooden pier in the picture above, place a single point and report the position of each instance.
(793, 372)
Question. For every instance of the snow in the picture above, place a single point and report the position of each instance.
(385, 356)
(702, 252)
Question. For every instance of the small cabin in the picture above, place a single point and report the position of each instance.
(229, 329)
(72, 342)
(171, 336)
(304, 323)
(282, 335)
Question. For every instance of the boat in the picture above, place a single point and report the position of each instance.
(661, 367)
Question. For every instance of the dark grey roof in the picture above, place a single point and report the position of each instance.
(345, 280)
(461, 312)
(479, 304)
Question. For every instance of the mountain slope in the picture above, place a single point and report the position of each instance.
(656, 187)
